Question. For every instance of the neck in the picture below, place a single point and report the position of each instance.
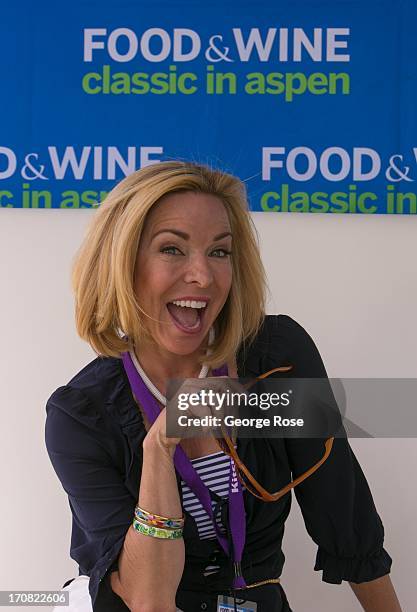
(161, 366)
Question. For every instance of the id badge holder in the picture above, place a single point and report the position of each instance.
(226, 604)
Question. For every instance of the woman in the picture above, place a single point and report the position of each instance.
(169, 284)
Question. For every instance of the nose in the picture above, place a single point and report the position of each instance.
(199, 271)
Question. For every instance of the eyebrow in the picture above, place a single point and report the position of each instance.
(185, 236)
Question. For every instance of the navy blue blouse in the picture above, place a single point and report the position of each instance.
(94, 433)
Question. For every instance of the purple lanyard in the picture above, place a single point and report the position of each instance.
(237, 517)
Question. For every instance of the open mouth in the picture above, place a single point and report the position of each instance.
(188, 315)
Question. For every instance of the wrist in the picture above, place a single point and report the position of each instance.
(153, 445)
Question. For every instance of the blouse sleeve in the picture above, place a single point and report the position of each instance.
(335, 501)
(101, 505)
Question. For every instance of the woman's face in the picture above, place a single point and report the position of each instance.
(183, 270)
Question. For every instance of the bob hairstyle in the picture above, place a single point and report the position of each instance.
(107, 312)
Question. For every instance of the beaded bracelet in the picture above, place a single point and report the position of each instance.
(156, 532)
(156, 520)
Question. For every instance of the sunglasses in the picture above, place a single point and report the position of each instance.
(246, 478)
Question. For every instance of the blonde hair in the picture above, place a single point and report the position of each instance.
(106, 308)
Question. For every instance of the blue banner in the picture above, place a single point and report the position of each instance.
(311, 103)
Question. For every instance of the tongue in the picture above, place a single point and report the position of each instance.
(187, 317)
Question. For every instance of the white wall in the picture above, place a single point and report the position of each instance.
(349, 280)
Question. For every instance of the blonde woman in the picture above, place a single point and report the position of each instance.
(169, 284)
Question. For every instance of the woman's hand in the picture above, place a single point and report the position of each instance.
(157, 436)
(218, 386)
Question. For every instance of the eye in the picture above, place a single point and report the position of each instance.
(169, 250)
(223, 253)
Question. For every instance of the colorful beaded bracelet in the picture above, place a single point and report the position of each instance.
(156, 532)
(158, 521)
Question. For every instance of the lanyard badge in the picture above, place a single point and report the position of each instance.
(226, 604)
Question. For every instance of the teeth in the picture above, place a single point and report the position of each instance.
(190, 304)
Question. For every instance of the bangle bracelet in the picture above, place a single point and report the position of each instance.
(156, 532)
(156, 521)
(158, 516)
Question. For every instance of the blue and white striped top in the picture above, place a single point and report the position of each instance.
(214, 470)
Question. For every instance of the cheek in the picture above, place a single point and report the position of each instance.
(153, 282)
(225, 279)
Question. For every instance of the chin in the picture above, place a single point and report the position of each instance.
(177, 346)
(183, 348)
